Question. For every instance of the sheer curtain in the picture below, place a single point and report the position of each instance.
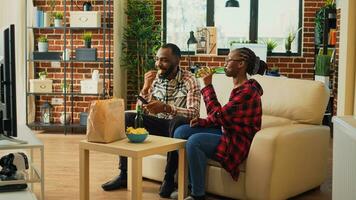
(13, 12)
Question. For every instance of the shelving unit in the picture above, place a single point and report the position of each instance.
(329, 20)
(35, 173)
(69, 35)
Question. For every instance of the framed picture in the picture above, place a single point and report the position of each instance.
(206, 37)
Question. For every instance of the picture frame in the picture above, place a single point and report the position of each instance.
(206, 37)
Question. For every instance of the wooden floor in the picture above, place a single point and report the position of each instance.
(62, 173)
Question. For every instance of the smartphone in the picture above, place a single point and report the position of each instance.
(144, 101)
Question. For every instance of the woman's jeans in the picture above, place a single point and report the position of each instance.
(200, 146)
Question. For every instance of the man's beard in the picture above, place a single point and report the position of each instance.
(168, 72)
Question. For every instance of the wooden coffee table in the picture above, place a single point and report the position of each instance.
(135, 152)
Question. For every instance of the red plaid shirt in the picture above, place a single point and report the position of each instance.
(240, 119)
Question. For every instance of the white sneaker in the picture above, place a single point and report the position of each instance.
(174, 195)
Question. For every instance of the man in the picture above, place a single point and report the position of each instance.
(173, 97)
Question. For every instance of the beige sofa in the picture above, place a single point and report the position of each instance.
(288, 155)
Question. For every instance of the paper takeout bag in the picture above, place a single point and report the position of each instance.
(106, 121)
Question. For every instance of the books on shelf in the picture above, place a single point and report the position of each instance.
(41, 18)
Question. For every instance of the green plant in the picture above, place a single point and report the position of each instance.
(290, 38)
(87, 36)
(274, 69)
(319, 20)
(65, 86)
(239, 42)
(42, 39)
(58, 15)
(142, 39)
(42, 73)
(271, 44)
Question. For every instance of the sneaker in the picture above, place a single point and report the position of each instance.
(166, 189)
(116, 183)
(191, 197)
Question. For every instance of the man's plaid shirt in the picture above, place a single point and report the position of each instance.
(182, 93)
(240, 119)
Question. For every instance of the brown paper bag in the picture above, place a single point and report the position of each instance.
(106, 121)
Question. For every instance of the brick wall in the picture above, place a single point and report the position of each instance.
(80, 70)
(301, 67)
(336, 65)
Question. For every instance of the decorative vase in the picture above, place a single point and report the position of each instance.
(42, 46)
(66, 119)
(43, 77)
(58, 23)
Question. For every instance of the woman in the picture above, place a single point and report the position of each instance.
(226, 134)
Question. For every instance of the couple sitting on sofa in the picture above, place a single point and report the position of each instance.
(174, 99)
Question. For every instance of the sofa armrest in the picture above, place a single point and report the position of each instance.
(287, 160)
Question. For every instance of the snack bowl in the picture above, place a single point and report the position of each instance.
(137, 138)
(136, 135)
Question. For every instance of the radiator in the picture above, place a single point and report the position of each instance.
(344, 158)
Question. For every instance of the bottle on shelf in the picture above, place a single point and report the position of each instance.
(139, 117)
(214, 70)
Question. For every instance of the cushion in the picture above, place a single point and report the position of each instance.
(303, 101)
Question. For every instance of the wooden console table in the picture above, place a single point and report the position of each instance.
(135, 152)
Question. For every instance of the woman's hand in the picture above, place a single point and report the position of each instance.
(194, 122)
(207, 75)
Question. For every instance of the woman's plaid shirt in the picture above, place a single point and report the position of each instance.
(240, 119)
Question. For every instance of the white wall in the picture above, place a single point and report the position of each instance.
(346, 104)
(12, 12)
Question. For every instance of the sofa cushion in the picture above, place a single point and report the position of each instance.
(269, 121)
(242, 166)
(303, 101)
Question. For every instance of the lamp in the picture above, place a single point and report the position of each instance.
(191, 40)
(232, 3)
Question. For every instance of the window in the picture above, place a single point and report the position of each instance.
(284, 15)
(180, 20)
(227, 22)
(253, 20)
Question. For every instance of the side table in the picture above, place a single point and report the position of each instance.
(135, 151)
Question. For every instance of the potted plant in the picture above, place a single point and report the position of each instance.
(330, 8)
(141, 40)
(271, 44)
(42, 44)
(58, 18)
(42, 75)
(274, 71)
(87, 39)
(289, 40)
(65, 87)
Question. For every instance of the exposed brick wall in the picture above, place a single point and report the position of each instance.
(80, 70)
(335, 72)
(301, 67)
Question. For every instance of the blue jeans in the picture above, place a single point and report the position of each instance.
(200, 146)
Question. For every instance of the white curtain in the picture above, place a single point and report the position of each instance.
(13, 12)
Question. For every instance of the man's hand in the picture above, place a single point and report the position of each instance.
(148, 80)
(154, 107)
(194, 122)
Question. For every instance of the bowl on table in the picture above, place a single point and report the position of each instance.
(136, 135)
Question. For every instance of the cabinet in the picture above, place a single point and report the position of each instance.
(35, 173)
(67, 63)
(325, 40)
